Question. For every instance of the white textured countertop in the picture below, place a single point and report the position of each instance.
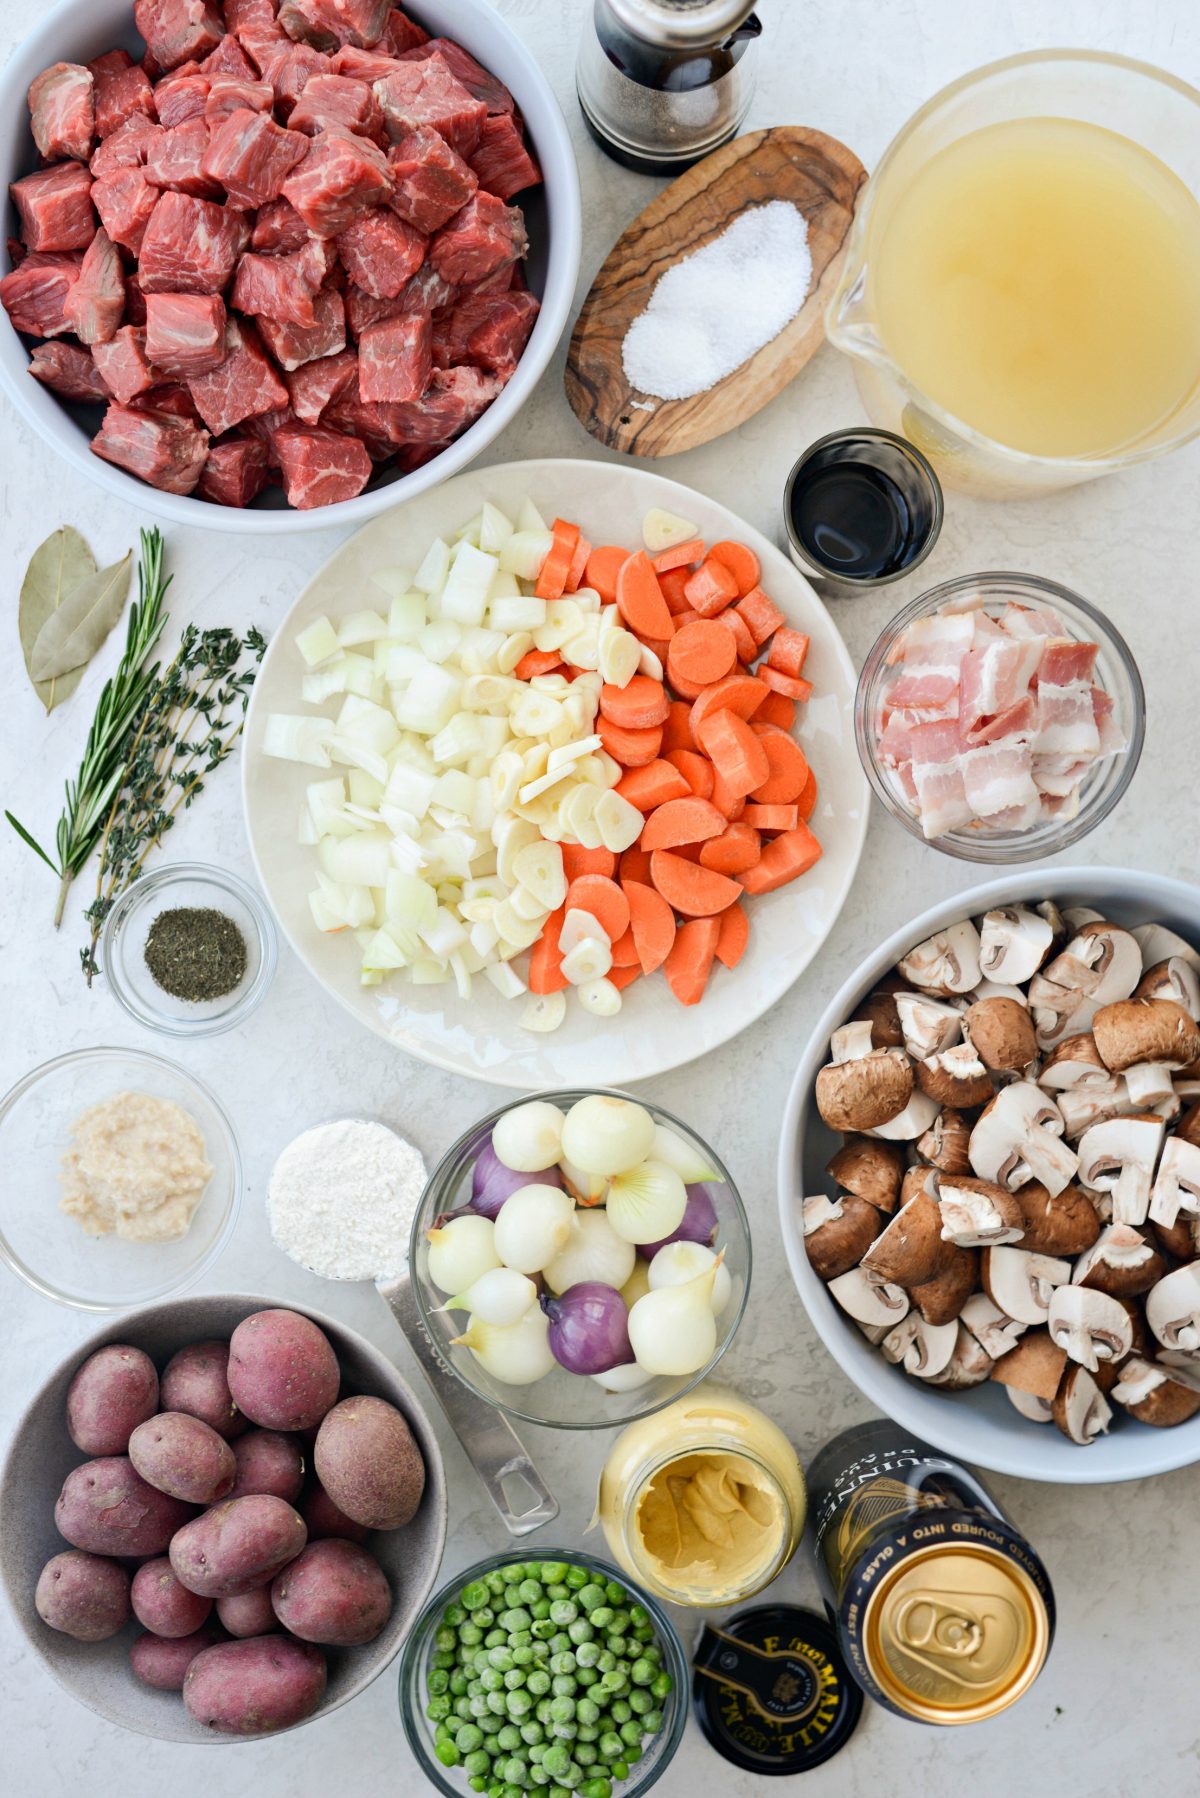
(1115, 1711)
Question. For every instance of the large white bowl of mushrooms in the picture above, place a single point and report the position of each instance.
(989, 1175)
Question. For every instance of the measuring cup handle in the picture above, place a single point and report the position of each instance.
(489, 1441)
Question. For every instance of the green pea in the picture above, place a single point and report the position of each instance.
(620, 1621)
(620, 1711)
(445, 1641)
(479, 1782)
(610, 1746)
(495, 1638)
(633, 1754)
(662, 1685)
(477, 1765)
(586, 1676)
(587, 1654)
(577, 1577)
(532, 1733)
(601, 1615)
(539, 1776)
(537, 1750)
(560, 1642)
(485, 1616)
(478, 1704)
(462, 1709)
(490, 1723)
(454, 1614)
(491, 1679)
(523, 1654)
(614, 1593)
(559, 1590)
(469, 1635)
(631, 1734)
(587, 1732)
(517, 1618)
(513, 1679)
(538, 1682)
(543, 1627)
(562, 1708)
(640, 1702)
(618, 1645)
(588, 1711)
(563, 1686)
(620, 1769)
(438, 1709)
(530, 1591)
(516, 1772)
(474, 1595)
(596, 1788)
(509, 1738)
(512, 1595)
(447, 1753)
(590, 1596)
(497, 1703)
(501, 1658)
(439, 1681)
(564, 1611)
(553, 1572)
(614, 1681)
(606, 1660)
(443, 1661)
(652, 1722)
(585, 1754)
(642, 1671)
(556, 1760)
(519, 1704)
(469, 1738)
(540, 1610)
(542, 1710)
(495, 1582)
(580, 1631)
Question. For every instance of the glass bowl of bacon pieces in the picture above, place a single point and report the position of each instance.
(1000, 717)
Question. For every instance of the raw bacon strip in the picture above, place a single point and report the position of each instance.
(996, 676)
(1019, 722)
(931, 652)
(1032, 621)
(1066, 720)
(997, 777)
(1065, 661)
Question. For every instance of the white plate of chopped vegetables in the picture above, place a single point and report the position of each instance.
(554, 770)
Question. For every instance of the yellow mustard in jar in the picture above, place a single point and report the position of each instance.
(703, 1502)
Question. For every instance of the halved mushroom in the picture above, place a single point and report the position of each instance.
(955, 1077)
(1058, 924)
(977, 1213)
(1177, 1183)
(1136, 1030)
(876, 1306)
(879, 1010)
(1179, 1241)
(1150, 1087)
(1188, 1127)
(913, 1121)
(946, 1143)
(947, 962)
(1021, 1283)
(1034, 1410)
(1074, 1064)
(1157, 943)
(998, 989)
(994, 1329)
(928, 1025)
(1100, 964)
(1122, 1262)
(969, 1365)
(836, 1236)
(941, 1299)
(1013, 943)
(921, 1348)
(1001, 1033)
(1174, 979)
(1182, 1365)
(871, 1170)
(1119, 1156)
(1019, 1138)
(862, 1087)
(1076, 916)
(1034, 1366)
(1149, 1393)
(1061, 1223)
(918, 1178)
(1083, 1106)
(910, 1249)
(1090, 1326)
(1173, 1309)
(1080, 1409)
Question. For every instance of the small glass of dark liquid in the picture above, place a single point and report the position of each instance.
(861, 508)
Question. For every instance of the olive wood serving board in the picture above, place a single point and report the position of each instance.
(787, 162)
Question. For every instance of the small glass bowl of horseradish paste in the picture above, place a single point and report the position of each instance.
(189, 950)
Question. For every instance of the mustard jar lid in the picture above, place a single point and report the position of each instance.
(771, 1690)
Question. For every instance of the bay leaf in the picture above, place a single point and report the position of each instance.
(56, 566)
(75, 630)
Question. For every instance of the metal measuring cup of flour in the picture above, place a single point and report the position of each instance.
(663, 82)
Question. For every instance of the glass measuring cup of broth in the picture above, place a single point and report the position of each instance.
(1021, 290)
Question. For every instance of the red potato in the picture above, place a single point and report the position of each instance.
(250, 1688)
(163, 1663)
(107, 1508)
(283, 1373)
(268, 1461)
(115, 1390)
(369, 1464)
(83, 1595)
(335, 1593)
(324, 1518)
(238, 1545)
(162, 1604)
(196, 1380)
(183, 1456)
(246, 1614)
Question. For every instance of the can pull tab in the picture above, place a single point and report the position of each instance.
(781, 1685)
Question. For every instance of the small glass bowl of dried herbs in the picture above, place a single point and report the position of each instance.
(189, 950)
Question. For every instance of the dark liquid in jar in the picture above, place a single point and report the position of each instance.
(855, 520)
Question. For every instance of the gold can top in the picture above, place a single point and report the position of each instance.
(956, 1634)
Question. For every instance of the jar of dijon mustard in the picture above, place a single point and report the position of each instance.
(703, 1502)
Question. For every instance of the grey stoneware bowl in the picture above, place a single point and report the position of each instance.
(42, 1454)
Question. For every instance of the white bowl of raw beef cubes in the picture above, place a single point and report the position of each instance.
(279, 264)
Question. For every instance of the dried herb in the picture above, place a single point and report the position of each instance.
(195, 953)
(55, 569)
(77, 628)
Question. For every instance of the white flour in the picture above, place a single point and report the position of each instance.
(341, 1199)
(712, 311)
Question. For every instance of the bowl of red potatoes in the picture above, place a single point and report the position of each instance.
(219, 1518)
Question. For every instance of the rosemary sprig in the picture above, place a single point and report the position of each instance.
(89, 796)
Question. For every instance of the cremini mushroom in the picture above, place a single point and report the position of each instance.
(1188, 1127)
(940, 1299)
(912, 1122)
(1173, 1309)
(1177, 1182)
(1080, 1409)
(875, 1305)
(1180, 1364)
(1061, 1223)
(928, 1025)
(947, 962)
(1134, 1030)
(1034, 1410)
(1174, 979)
(862, 1087)
(1157, 943)
(1090, 1326)
(1082, 1106)
(918, 1178)
(1013, 943)
(1119, 1156)
(1122, 1261)
(1149, 1393)
(1018, 1137)
(1020, 1283)
(1035, 1366)
(921, 1348)
(1150, 1088)
(994, 1329)
(910, 1249)
(1074, 1064)
(955, 1077)
(978, 1213)
(1001, 1033)
(946, 1143)
(1101, 963)
(837, 1235)
(870, 1169)
(879, 1010)
(969, 1365)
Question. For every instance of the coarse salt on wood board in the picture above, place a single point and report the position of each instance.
(816, 174)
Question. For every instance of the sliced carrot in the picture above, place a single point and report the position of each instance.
(784, 859)
(624, 951)
(683, 555)
(696, 769)
(740, 693)
(545, 961)
(652, 922)
(736, 849)
(635, 865)
(743, 642)
(654, 785)
(788, 765)
(659, 645)
(604, 564)
(640, 598)
(537, 661)
(623, 977)
(639, 705)
(711, 588)
(552, 575)
(689, 851)
(677, 731)
(681, 821)
(690, 962)
(687, 689)
(688, 888)
(741, 562)
(761, 615)
(735, 752)
(632, 748)
(577, 861)
(733, 937)
(700, 653)
(788, 650)
(793, 685)
(579, 562)
(776, 709)
(772, 819)
(724, 797)
(600, 895)
(806, 802)
(673, 583)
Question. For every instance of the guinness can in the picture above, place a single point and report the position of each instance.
(944, 1612)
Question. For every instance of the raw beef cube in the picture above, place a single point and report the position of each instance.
(229, 62)
(363, 420)
(126, 203)
(342, 177)
(181, 99)
(55, 208)
(62, 111)
(190, 246)
(401, 33)
(426, 93)
(228, 95)
(281, 287)
(244, 385)
(293, 345)
(165, 451)
(477, 80)
(427, 291)
(251, 156)
(122, 364)
(363, 309)
(331, 23)
(394, 359)
(314, 384)
(135, 300)
(35, 294)
(320, 467)
(176, 161)
(490, 330)
(170, 398)
(175, 30)
(480, 239)
(380, 253)
(185, 333)
(278, 227)
(256, 28)
(68, 370)
(290, 69)
(121, 90)
(96, 302)
(430, 180)
(264, 427)
(361, 65)
(454, 398)
(235, 472)
(128, 147)
(501, 161)
(334, 100)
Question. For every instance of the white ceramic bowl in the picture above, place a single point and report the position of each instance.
(980, 1425)
(72, 32)
(482, 1037)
